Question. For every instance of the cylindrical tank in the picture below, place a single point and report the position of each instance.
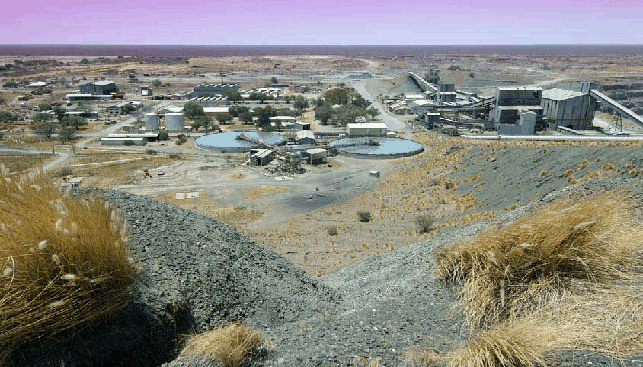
(174, 122)
(151, 122)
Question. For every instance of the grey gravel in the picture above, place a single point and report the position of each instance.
(196, 272)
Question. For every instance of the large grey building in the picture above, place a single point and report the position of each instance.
(571, 109)
(511, 103)
(103, 87)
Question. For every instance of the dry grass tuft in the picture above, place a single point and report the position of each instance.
(520, 343)
(231, 344)
(64, 261)
(512, 270)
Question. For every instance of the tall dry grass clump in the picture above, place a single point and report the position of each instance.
(231, 344)
(63, 261)
(514, 269)
(522, 343)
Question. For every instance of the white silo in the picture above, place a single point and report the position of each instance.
(174, 122)
(151, 122)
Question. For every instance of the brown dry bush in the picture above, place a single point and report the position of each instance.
(521, 343)
(64, 261)
(231, 344)
(517, 268)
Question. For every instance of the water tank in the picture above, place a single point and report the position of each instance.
(151, 122)
(174, 122)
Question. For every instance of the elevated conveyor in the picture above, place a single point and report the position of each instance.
(622, 110)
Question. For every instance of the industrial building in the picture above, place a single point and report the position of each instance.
(212, 111)
(212, 89)
(305, 137)
(261, 157)
(367, 129)
(446, 93)
(174, 122)
(422, 106)
(87, 97)
(566, 108)
(511, 103)
(525, 126)
(103, 87)
(151, 122)
(316, 155)
(123, 141)
(518, 96)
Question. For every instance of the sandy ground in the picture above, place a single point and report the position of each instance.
(313, 218)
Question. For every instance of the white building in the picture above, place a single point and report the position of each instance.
(367, 129)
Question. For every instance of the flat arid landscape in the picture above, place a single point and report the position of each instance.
(128, 241)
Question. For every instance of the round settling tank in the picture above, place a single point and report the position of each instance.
(174, 122)
(238, 141)
(151, 122)
(376, 147)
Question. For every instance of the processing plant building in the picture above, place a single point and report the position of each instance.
(103, 87)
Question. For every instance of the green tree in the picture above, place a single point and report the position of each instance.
(202, 121)
(323, 114)
(163, 135)
(223, 117)
(60, 112)
(6, 116)
(359, 101)
(84, 61)
(66, 134)
(192, 110)
(236, 110)
(274, 80)
(41, 117)
(73, 121)
(233, 95)
(264, 115)
(157, 83)
(372, 111)
(300, 103)
(246, 117)
(10, 84)
(44, 106)
(346, 114)
(336, 96)
(46, 129)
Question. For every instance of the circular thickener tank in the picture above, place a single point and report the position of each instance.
(235, 141)
(376, 147)
(174, 122)
(151, 122)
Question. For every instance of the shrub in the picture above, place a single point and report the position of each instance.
(513, 269)
(231, 344)
(151, 151)
(65, 171)
(511, 344)
(425, 223)
(332, 230)
(64, 259)
(364, 216)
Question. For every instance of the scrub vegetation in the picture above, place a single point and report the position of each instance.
(64, 261)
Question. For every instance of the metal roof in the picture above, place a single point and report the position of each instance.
(369, 125)
(559, 94)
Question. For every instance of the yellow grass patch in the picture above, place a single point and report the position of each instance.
(64, 261)
(231, 344)
(256, 192)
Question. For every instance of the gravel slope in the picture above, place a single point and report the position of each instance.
(196, 271)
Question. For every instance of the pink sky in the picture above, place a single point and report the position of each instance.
(327, 22)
